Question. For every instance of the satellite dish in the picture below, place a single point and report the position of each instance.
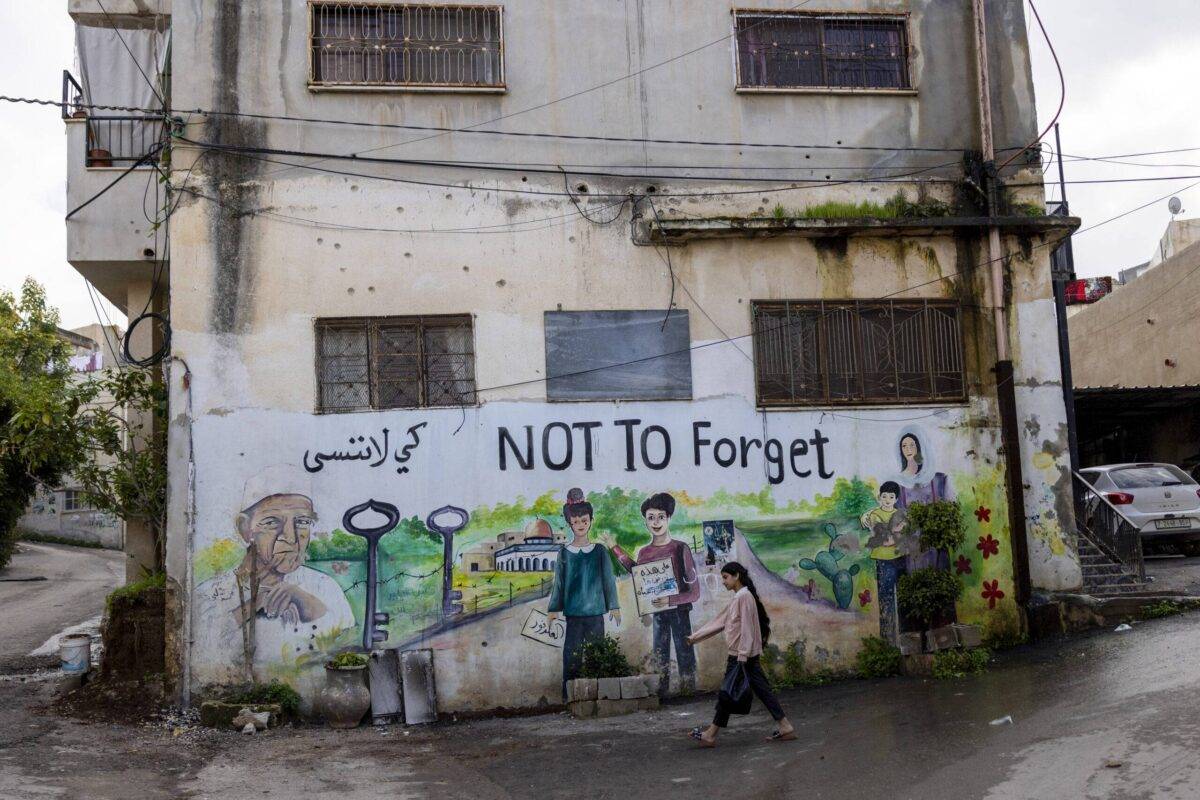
(1174, 206)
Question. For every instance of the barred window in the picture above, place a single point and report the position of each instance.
(406, 45)
(858, 352)
(395, 362)
(791, 50)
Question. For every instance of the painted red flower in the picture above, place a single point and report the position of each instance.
(991, 592)
(988, 546)
(864, 597)
(983, 514)
(962, 566)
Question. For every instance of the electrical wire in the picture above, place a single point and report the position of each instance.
(498, 167)
(1062, 80)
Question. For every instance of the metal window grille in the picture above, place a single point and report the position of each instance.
(831, 51)
(395, 362)
(406, 45)
(858, 352)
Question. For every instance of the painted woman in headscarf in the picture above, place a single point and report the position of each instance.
(920, 483)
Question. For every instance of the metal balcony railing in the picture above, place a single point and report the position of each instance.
(1108, 528)
(112, 140)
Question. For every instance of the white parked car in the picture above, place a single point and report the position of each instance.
(1160, 500)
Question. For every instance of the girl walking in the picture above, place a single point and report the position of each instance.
(747, 627)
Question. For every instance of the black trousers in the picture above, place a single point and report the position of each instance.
(580, 631)
(758, 684)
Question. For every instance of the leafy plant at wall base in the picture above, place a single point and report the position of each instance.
(928, 593)
(277, 692)
(603, 658)
(39, 441)
(940, 523)
(1166, 608)
(878, 658)
(348, 660)
(826, 563)
(960, 663)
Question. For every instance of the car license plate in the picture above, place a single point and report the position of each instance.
(1165, 524)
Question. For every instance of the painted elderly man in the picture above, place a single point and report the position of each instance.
(292, 605)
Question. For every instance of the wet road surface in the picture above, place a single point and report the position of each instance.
(1105, 715)
(31, 611)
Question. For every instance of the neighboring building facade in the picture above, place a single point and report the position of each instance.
(63, 511)
(1135, 357)
(482, 330)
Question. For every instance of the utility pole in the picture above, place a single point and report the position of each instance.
(1006, 398)
(1062, 271)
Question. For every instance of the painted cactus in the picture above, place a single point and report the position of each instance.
(826, 563)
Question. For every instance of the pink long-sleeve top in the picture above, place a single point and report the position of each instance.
(739, 621)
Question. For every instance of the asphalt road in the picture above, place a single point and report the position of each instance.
(77, 581)
(1105, 716)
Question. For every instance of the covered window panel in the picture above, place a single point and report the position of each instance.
(395, 362)
(618, 355)
(857, 352)
(800, 50)
(406, 45)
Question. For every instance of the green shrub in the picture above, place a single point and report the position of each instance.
(940, 523)
(928, 593)
(131, 592)
(878, 658)
(603, 658)
(1166, 608)
(960, 663)
(347, 660)
(45, 538)
(273, 692)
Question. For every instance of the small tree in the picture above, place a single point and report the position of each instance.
(122, 430)
(38, 402)
(928, 594)
(940, 523)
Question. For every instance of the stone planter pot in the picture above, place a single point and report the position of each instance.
(345, 699)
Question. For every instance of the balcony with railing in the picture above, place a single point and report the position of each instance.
(111, 185)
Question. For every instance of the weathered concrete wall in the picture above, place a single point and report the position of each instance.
(268, 248)
(1128, 337)
(47, 515)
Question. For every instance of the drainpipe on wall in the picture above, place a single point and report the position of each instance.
(1006, 396)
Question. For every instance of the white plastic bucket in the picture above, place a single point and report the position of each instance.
(75, 653)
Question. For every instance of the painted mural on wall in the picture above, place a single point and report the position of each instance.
(819, 518)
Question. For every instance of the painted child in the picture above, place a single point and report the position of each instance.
(673, 623)
(889, 547)
(584, 588)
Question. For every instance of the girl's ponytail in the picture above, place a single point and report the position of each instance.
(738, 571)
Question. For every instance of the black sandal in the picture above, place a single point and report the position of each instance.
(698, 735)
(790, 736)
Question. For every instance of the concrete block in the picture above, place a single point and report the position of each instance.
(633, 688)
(581, 689)
(968, 635)
(650, 703)
(943, 638)
(653, 681)
(615, 708)
(215, 714)
(582, 709)
(608, 689)
(911, 643)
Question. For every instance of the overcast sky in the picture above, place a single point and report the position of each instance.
(1131, 87)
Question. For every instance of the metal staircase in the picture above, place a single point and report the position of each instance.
(1110, 547)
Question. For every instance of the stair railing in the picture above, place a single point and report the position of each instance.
(1107, 528)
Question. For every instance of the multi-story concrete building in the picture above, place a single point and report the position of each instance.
(458, 260)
